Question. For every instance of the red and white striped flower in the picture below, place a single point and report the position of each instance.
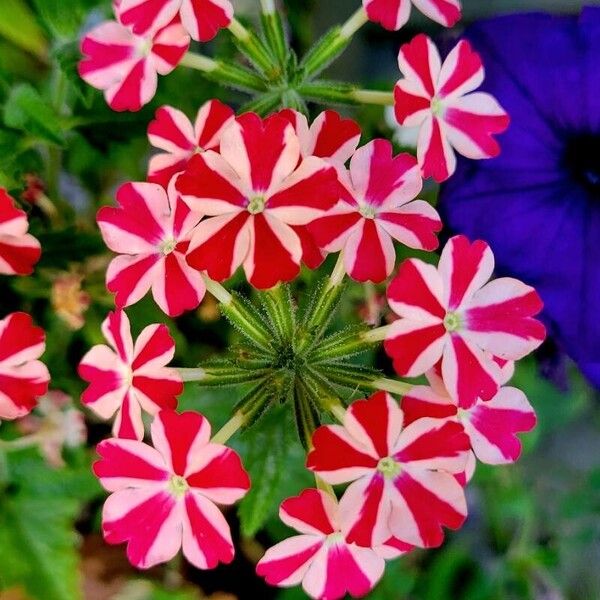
(454, 314)
(126, 66)
(491, 425)
(440, 99)
(172, 132)
(202, 19)
(23, 378)
(378, 207)
(164, 498)
(151, 230)
(254, 191)
(332, 138)
(19, 250)
(327, 566)
(127, 378)
(403, 483)
(394, 14)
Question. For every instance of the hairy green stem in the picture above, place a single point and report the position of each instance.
(254, 49)
(229, 429)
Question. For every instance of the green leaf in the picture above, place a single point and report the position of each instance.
(38, 541)
(62, 18)
(268, 449)
(26, 110)
(18, 24)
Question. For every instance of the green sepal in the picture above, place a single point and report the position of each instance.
(279, 308)
(247, 319)
(351, 376)
(225, 373)
(328, 91)
(318, 313)
(256, 402)
(342, 344)
(324, 52)
(236, 77)
(272, 25)
(264, 104)
(306, 414)
(255, 50)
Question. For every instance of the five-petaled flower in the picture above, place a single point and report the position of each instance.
(19, 250)
(165, 497)
(403, 482)
(23, 378)
(126, 66)
(172, 132)
(440, 99)
(126, 378)
(320, 558)
(202, 19)
(491, 425)
(394, 14)
(254, 191)
(377, 208)
(453, 313)
(151, 231)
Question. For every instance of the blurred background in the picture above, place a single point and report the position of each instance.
(533, 530)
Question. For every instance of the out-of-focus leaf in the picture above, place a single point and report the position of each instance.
(19, 25)
(66, 246)
(68, 55)
(26, 110)
(268, 447)
(38, 541)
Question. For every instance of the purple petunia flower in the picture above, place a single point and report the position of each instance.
(538, 203)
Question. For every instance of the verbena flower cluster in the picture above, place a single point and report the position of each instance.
(268, 193)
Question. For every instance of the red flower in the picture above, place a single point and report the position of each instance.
(440, 99)
(254, 191)
(329, 137)
(320, 558)
(173, 132)
(491, 425)
(151, 230)
(19, 250)
(452, 313)
(378, 207)
(23, 378)
(403, 483)
(126, 378)
(201, 18)
(126, 66)
(394, 14)
(164, 497)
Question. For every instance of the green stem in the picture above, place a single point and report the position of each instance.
(376, 335)
(254, 49)
(229, 429)
(322, 485)
(217, 290)
(227, 74)
(191, 374)
(373, 97)
(338, 273)
(391, 385)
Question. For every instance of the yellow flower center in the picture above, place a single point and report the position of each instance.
(178, 485)
(256, 205)
(389, 467)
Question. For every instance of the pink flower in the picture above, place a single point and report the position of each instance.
(439, 99)
(23, 378)
(254, 192)
(19, 250)
(491, 425)
(452, 313)
(164, 497)
(151, 230)
(126, 378)
(173, 132)
(126, 66)
(320, 558)
(202, 19)
(403, 483)
(378, 207)
(394, 14)
(332, 138)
